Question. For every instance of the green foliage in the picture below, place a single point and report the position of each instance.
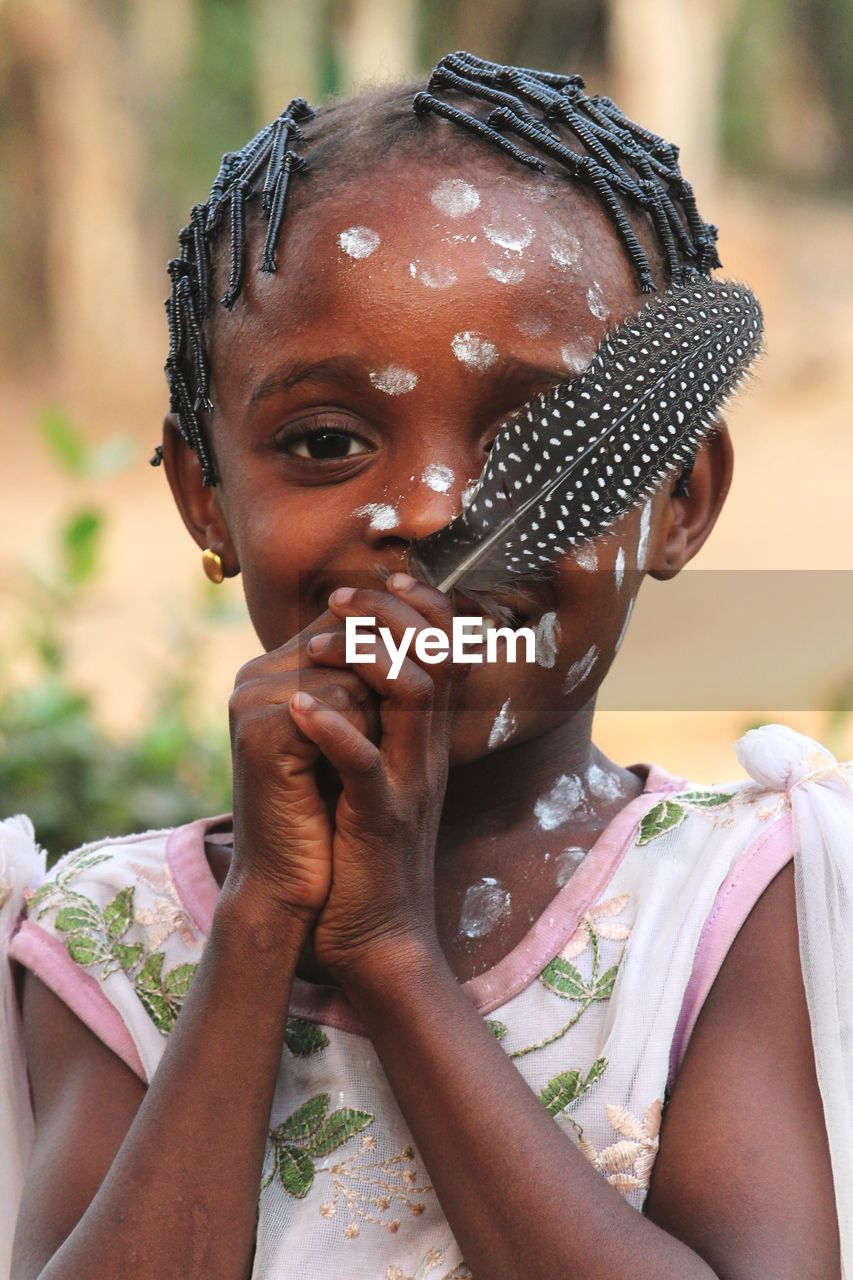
(57, 763)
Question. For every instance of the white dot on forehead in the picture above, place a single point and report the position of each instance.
(455, 197)
(432, 274)
(381, 515)
(509, 231)
(473, 350)
(438, 477)
(534, 326)
(595, 301)
(359, 242)
(511, 274)
(394, 380)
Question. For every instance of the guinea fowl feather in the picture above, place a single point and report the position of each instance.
(568, 464)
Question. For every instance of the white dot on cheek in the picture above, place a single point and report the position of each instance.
(643, 540)
(622, 633)
(547, 639)
(504, 726)
(595, 301)
(579, 670)
(619, 569)
(587, 557)
(380, 514)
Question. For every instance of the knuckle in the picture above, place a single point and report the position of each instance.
(418, 691)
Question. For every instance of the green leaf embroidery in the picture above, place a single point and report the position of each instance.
(705, 799)
(336, 1129)
(498, 1029)
(304, 1038)
(179, 980)
(119, 913)
(82, 915)
(295, 1171)
(595, 1072)
(162, 995)
(125, 955)
(564, 979)
(85, 949)
(304, 1121)
(663, 817)
(560, 1091)
(603, 988)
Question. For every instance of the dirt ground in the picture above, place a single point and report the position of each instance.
(789, 508)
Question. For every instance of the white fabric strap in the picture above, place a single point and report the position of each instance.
(821, 795)
(22, 866)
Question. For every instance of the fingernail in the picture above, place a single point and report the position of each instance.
(401, 582)
(343, 595)
(302, 701)
(318, 643)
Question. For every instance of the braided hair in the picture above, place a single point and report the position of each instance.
(541, 120)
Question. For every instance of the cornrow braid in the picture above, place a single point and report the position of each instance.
(624, 165)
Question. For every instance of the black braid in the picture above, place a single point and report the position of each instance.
(616, 158)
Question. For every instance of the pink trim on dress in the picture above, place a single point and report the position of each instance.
(736, 897)
(198, 890)
(48, 959)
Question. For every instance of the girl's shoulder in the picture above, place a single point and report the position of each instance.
(108, 931)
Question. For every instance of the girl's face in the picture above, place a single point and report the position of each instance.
(357, 391)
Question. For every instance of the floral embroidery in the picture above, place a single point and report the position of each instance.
(304, 1038)
(168, 915)
(671, 813)
(498, 1029)
(567, 1087)
(432, 1259)
(364, 1185)
(627, 1164)
(596, 924)
(307, 1134)
(565, 980)
(98, 937)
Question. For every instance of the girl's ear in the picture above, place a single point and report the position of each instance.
(200, 505)
(686, 522)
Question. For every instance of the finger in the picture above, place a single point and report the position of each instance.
(291, 655)
(357, 760)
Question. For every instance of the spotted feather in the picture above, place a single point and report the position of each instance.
(572, 461)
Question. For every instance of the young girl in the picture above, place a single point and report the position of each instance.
(451, 994)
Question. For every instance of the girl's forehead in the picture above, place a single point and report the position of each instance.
(439, 258)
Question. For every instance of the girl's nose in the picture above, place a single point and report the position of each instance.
(419, 504)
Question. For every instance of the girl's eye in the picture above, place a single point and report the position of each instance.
(323, 443)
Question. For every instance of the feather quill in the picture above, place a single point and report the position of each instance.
(568, 464)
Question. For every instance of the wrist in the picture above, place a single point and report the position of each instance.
(404, 960)
(248, 915)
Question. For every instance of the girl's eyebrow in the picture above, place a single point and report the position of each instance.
(342, 369)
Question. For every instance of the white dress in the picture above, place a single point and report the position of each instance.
(595, 1005)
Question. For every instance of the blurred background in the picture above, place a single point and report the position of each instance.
(116, 657)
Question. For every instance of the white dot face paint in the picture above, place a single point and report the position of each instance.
(474, 351)
(567, 863)
(587, 558)
(432, 275)
(359, 242)
(511, 274)
(579, 670)
(510, 232)
(619, 569)
(503, 728)
(565, 248)
(595, 301)
(534, 326)
(547, 639)
(470, 492)
(573, 360)
(380, 514)
(643, 542)
(394, 380)
(437, 477)
(621, 635)
(604, 785)
(485, 905)
(558, 805)
(455, 197)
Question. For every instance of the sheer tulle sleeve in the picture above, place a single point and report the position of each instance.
(821, 794)
(21, 867)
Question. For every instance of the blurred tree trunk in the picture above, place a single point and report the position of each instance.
(378, 41)
(104, 311)
(289, 49)
(666, 65)
(161, 37)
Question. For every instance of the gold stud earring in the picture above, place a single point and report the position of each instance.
(212, 565)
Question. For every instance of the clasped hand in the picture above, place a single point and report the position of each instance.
(364, 873)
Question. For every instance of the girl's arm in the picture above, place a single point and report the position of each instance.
(163, 1183)
(172, 1190)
